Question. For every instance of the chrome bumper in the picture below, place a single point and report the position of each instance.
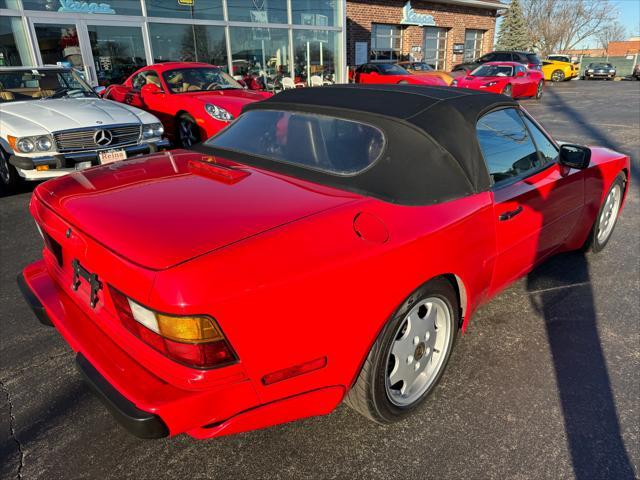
(68, 160)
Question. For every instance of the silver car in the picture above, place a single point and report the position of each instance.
(53, 123)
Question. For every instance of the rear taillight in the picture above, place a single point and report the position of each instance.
(193, 340)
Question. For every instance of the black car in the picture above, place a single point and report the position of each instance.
(529, 59)
(636, 72)
(599, 70)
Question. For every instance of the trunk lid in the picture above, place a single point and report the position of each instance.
(165, 209)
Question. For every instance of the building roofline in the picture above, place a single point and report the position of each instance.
(489, 4)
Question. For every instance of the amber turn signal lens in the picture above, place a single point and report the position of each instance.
(42, 168)
(188, 329)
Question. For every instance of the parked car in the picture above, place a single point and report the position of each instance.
(530, 59)
(193, 100)
(53, 123)
(422, 68)
(329, 244)
(509, 78)
(558, 57)
(387, 73)
(599, 70)
(636, 72)
(556, 71)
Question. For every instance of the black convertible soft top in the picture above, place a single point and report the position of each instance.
(431, 153)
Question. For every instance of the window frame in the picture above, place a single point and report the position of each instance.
(394, 53)
(534, 171)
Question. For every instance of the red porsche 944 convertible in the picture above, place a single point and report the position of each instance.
(328, 245)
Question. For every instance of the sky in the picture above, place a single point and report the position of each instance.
(628, 15)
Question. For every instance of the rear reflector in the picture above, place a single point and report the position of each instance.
(195, 341)
(294, 371)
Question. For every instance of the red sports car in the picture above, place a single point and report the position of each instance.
(323, 247)
(509, 78)
(193, 100)
(384, 73)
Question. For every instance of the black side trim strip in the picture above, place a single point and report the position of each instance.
(138, 422)
(34, 303)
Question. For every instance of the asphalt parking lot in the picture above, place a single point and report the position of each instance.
(544, 385)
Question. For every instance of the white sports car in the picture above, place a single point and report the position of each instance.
(53, 123)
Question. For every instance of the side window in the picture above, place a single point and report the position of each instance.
(547, 149)
(144, 78)
(506, 145)
(490, 57)
(520, 68)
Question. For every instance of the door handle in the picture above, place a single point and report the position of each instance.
(510, 214)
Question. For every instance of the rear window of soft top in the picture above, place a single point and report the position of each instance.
(318, 142)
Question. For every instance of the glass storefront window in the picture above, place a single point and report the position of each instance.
(258, 11)
(14, 46)
(201, 10)
(13, 4)
(117, 52)
(316, 56)
(107, 7)
(188, 43)
(260, 55)
(59, 43)
(315, 12)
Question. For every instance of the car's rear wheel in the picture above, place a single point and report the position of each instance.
(539, 90)
(188, 133)
(508, 91)
(557, 76)
(607, 216)
(8, 173)
(410, 355)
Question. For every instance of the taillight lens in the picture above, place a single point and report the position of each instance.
(193, 340)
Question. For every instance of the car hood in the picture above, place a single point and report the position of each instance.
(165, 209)
(231, 100)
(483, 80)
(36, 117)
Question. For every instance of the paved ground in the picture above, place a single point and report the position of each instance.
(545, 385)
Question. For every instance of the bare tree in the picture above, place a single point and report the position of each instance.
(560, 25)
(612, 32)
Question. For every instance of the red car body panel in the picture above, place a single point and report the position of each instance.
(376, 78)
(525, 86)
(294, 288)
(168, 106)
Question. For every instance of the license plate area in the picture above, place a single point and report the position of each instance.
(110, 156)
(80, 273)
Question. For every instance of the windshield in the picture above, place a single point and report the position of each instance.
(318, 142)
(387, 69)
(493, 71)
(35, 84)
(600, 65)
(421, 67)
(199, 80)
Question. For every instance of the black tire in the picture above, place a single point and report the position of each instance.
(9, 177)
(183, 139)
(508, 91)
(368, 395)
(558, 76)
(592, 244)
(539, 90)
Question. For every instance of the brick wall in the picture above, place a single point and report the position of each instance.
(362, 13)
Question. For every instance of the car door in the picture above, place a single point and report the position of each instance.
(536, 202)
(520, 81)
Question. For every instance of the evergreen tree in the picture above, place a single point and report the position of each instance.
(513, 33)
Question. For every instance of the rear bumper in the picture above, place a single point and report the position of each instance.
(147, 406)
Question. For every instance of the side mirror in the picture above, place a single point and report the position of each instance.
(574, 156)
(520, 73)
(150, 89)
(100, 90)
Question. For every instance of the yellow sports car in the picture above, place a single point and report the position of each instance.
(557, 71)
(422, 68)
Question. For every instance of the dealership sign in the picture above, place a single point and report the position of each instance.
(72, 6)
(410, 17)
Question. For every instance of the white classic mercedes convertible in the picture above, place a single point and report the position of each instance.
(53, 123)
